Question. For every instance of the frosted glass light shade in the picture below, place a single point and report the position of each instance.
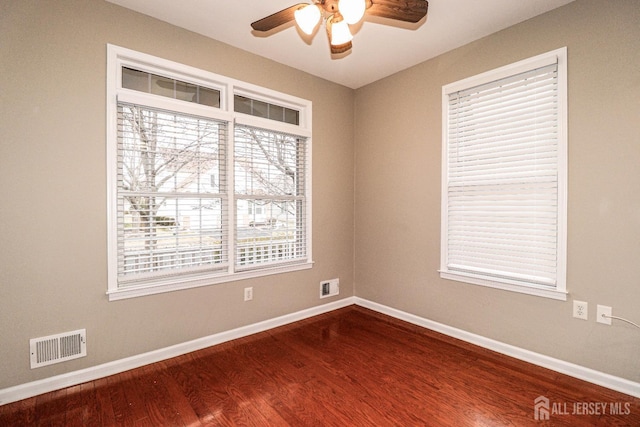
(340, 33)
(352, 10)
(307, 18)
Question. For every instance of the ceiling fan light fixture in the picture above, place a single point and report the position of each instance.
(339, 14)
(307, 18)
(352, 10)
(339, 33)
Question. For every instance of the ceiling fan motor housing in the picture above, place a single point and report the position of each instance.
(330, 6)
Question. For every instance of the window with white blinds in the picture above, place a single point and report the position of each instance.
(171, 194)
(504, 177)
(199, 191)
(270, 184)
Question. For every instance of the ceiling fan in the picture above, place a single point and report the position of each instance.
(339, 14)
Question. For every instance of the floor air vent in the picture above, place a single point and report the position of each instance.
(58, 348)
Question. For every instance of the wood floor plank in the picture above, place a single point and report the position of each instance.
(243, 385)
(190, 384)
(50, 409)
(123, 410)
(79, 402)
(157, 403)
(216, 384)
(348, 367)
(102, 412)
(20, 413)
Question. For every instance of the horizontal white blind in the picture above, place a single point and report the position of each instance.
(170, 194)
(502, 183)
(271, 197)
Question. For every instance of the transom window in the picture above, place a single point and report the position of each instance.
(504, 178)
(199, 192)
(256, 107)
(171, 88)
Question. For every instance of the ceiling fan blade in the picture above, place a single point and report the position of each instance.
(277, 19)
(401, 10)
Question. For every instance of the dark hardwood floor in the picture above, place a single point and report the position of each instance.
(348, 367)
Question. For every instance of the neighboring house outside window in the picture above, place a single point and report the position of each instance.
(504, 195)
(209, 178)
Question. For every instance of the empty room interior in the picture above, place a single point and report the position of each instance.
(288, 232)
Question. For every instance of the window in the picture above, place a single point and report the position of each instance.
(171, 88)
(269, 179)
(170, 218)
(255, 107)
(201, 191)
(504, 178)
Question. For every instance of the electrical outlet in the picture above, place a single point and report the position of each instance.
(603, 312)
(248, 294)
(580, 310)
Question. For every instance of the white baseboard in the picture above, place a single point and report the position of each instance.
(587, 374)
(24, 391)
(34, 388)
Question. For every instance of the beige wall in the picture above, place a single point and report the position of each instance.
(398, 156)
(53, 272)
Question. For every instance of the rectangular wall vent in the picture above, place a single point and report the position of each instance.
(329, 288)
(58, 348)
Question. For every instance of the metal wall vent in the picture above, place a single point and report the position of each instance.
(329, 288)
(58, 348)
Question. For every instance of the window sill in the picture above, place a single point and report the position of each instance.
(539, 291)
(159, 288)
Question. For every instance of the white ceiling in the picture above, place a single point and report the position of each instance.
(379, 50)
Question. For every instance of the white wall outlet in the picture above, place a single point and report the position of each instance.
(248, 294)
(329, 288)
(580, 310)
(604, 314)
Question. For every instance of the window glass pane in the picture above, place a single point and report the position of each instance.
(259, 108)
(169, 152)
(171, 212)
(271, 231)
(170, 88)
(209, 97)
(181, 233)
(186, 91)
(162, 86)
(242, 104)
(270, 205)
(291, 116)
(276, 112)
(267, 163)
(134, 79)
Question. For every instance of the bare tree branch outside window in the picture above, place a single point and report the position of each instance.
(171, 167)
(269, 180)
(172, 188)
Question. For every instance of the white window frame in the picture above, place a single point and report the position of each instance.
(558, 291)
(118, 57)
